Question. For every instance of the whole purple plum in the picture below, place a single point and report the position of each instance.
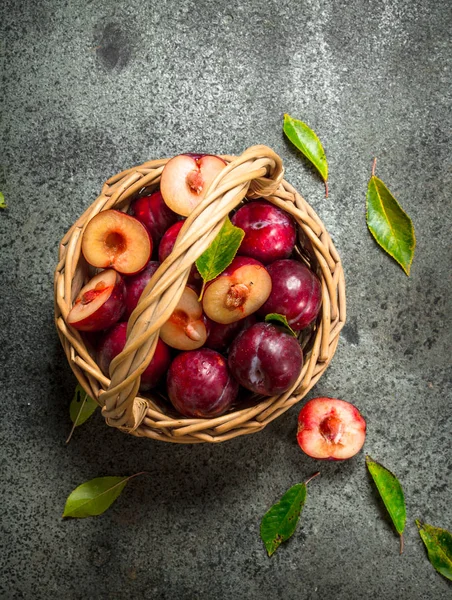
(296, 293)
(265, 359)
(270, 232)
(200, 384)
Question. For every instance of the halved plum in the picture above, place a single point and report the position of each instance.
(238, 291)
(114, 239)
(186, 328)
(330, 429)
(186, 179)
(100, 303)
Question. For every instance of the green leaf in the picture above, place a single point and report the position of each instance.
(279, 523)
(439, 547)
(93, 497)
(2, 201)
(303, 138)
(391, 227)
(391, 493)
(81, 407)
(221, 251)
(281, 320)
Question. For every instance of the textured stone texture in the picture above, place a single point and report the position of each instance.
(89, 88)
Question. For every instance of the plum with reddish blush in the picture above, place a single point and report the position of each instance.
(113, 344)
(135, 285)
(331, 429)
(221, 336)
(100, 303)
(169, 239)
(238, 291)
(166, 246)
(200, 384)
(265, 359)
(186, 178)
(296, 293)
(114, 239)
(270, 232)
(155, 215)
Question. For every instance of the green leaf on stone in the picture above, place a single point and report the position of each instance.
(307, 142)
(81, 408)
(391, 227)
(391, 493)
(439, 547)
(280, 320)
(221, 252)
(2, 201)
(279, 523)
(93, 497)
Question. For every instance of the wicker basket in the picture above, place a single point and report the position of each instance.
(257, 173)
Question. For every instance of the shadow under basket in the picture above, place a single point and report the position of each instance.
(257, 173)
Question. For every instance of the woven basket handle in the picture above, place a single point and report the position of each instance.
(257, 173)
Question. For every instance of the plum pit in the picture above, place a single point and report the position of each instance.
(115, 243)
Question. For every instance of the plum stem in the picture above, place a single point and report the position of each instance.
(326, 188)
(401, 543)
(312, 477)
(202, 291)
(374, 166)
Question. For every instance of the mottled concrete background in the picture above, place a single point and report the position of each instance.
(89, 88)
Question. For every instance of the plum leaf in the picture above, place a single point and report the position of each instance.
(307, 142)
(93, 497)
(439, 547)
(81, 408)
(280, 320)
(279, 523)
(221, 251)
(391, 493)
(2, 201)
(389, 224)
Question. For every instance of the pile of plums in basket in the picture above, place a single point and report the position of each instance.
(208, 348)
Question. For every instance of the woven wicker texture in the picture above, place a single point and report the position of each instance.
(257, 173)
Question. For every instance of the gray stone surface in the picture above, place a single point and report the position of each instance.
(89, 88)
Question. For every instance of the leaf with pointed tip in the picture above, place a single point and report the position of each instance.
(280, 320)
(391, 493)
(82, 406)
(2, 201)
(221, 251)
(389, 224)
(439, 547)
(279, 523)
(307, 142)
(93, 497)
